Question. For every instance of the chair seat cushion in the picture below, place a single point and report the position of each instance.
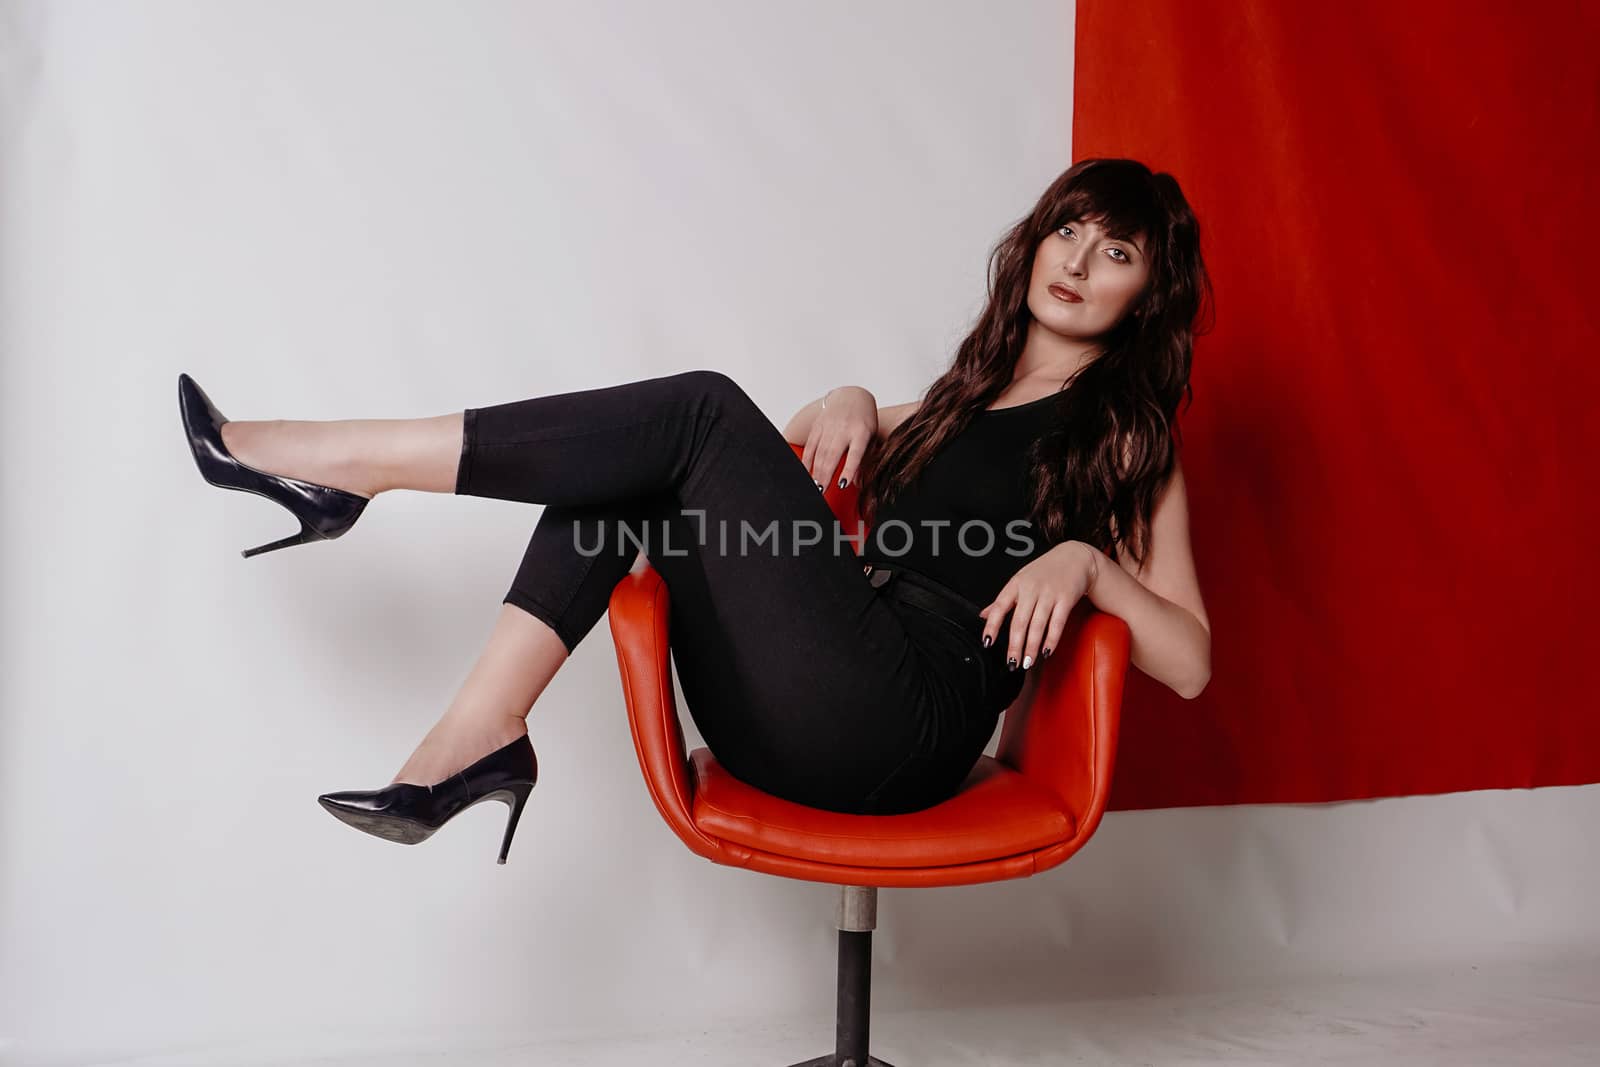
(997, 813)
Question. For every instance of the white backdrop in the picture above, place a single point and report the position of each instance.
(369, 209)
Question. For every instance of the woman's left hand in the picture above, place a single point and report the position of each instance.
(1043, 593)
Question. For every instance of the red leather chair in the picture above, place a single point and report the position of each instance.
(1018, 813)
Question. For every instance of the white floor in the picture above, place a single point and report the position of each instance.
(1530, 1014)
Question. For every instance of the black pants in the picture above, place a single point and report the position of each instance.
(804, 682)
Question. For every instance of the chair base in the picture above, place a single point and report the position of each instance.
(857, 917)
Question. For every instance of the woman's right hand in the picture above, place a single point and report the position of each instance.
(842, 430)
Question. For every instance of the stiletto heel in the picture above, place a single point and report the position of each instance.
(516, 797)
(306, 534)
(324, 512)
(410, 813)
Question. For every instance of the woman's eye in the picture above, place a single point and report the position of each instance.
(1122, 256)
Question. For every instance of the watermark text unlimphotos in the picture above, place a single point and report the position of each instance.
(895, 537)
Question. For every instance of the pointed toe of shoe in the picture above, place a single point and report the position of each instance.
(340, 804)
(197, 409)
(366, 810)
(383, 802)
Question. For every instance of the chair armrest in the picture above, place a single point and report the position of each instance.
(1065, 738)
(640, 611)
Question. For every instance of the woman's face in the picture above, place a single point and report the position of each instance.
(1107, 274)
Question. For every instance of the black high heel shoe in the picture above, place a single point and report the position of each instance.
(324, 512)
(409, 813)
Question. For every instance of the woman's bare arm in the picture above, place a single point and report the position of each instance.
(826, 449)
(799, 427)
(894, 415)
(1161, 600)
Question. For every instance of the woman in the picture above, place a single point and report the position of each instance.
(865, 684)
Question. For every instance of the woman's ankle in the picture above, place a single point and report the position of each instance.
(456, 741)
(306, 451)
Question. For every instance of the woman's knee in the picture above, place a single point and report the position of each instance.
(714, 383)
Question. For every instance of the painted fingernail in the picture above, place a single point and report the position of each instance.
(987, 640)
(1027, 661)
(817, 484)
(843, 482)
(1011, 663)
(1046, 654)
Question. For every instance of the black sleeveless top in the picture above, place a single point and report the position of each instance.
(963, 520)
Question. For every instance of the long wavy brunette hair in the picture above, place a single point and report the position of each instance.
(1112, 444)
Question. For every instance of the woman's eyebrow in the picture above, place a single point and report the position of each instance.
(1137, 247)
(1118, 237)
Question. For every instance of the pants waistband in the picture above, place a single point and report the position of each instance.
(915, 588)
(912, 587)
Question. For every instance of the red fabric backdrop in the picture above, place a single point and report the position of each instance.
(1391, 448)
